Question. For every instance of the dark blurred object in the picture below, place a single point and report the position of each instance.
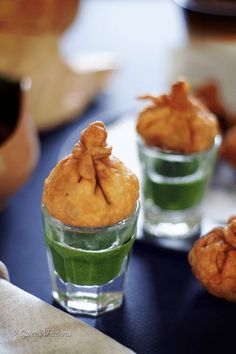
(210, 95)
(228, 147)
(10, 100)
(19, 149)
(203, 25)
(212, 7)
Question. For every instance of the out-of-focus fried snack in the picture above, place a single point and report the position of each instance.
(213, 261)
(228, 147)
(178, 122)
(90, 187)
(209, 93)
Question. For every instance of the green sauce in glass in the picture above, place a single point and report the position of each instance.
(175, 185)
(89, 258)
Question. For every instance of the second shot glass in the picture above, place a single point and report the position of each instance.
(173, 186)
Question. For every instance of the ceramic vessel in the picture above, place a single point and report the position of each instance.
(62, 86)
(36, 17)
(19, 148)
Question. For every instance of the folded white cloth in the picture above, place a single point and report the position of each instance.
(29, 325)
(4, 272)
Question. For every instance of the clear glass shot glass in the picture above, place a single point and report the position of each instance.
(173, 186)
(88, 266)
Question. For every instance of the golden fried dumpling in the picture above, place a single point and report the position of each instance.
(213, 261)
(177, 122)
(228, 146)
(209, 94)
(90, 187)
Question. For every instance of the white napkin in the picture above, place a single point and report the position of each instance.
(4, 272)
(29, 325)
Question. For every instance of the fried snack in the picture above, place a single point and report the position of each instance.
(177, 122)
(228, 147)
(90, 187)
(213, 261)
(209, 93)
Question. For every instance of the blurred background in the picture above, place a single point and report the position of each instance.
(92, 58)
(77, 59)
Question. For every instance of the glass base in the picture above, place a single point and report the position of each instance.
(88, 300)
(173, 225)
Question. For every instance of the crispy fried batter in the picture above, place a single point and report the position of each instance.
(209, 93)
(213, 261)
(90, 187)
(177, 122)
(228, 146)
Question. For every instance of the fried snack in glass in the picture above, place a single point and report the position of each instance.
(178, 141)
(90, 210)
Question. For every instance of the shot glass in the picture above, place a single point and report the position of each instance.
(88, 266)
(173, 186)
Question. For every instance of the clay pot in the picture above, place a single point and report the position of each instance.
(19, 147)
(62, 87)
(36, 17)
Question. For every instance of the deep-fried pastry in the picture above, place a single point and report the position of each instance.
(178, 122)
(228, 146)
(209, 93)
(90, 187)
(213, 261)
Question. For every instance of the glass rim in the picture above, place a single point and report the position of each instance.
(156, 149)
(111, 227)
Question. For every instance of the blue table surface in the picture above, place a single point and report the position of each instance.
(165, 309)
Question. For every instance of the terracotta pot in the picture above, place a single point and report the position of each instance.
(19, 147)
(62, 87)
(36, 17)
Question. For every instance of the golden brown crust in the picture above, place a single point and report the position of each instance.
(177, 122)
(91, 148)
(209, 93)
(90, 187)
(213, 261)
(228, 146)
